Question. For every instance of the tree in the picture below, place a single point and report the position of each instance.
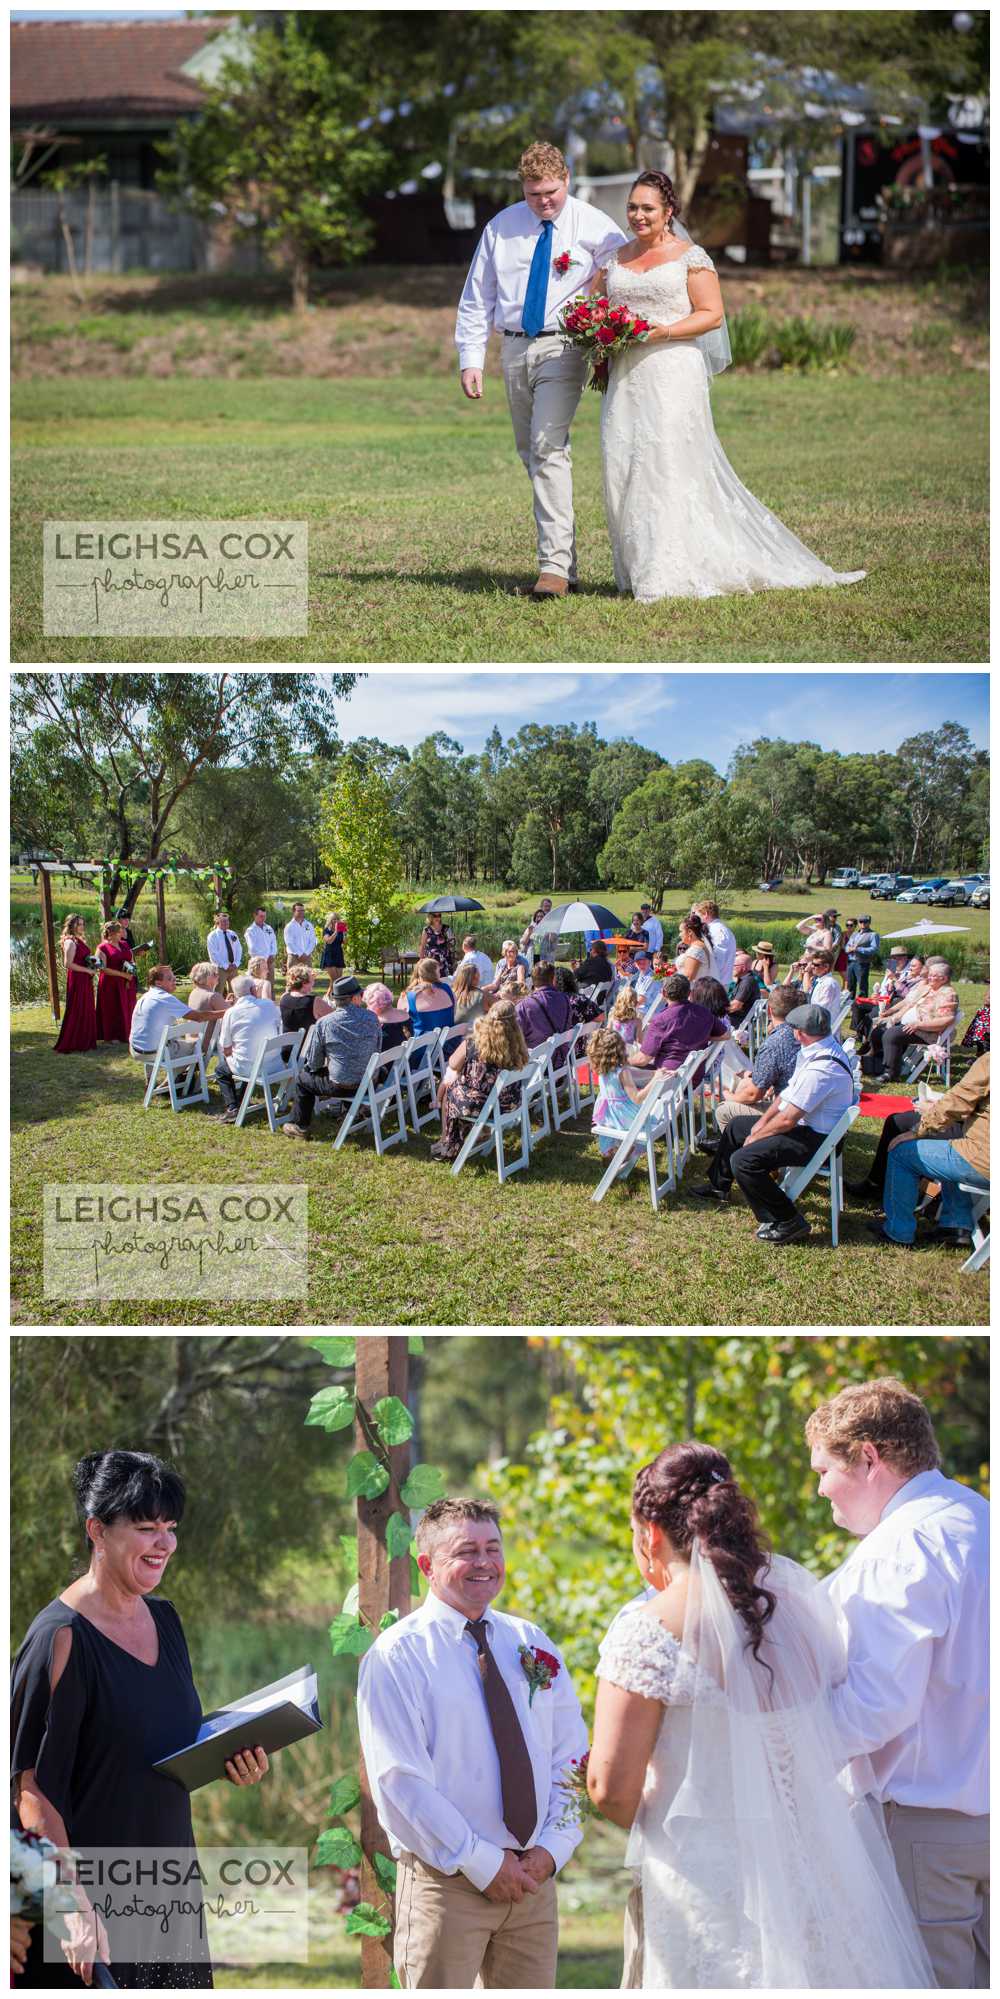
(719, 845)
(282, 146)
(132, 744)
(935, 773)
(548, 771)
(640, 849)
(618, 768)
(364, 863)
(530, 858)
(256, 817)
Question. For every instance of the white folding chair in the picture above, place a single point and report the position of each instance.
(273, 1076)
(657, 1121)
(843, 1015)
(586, 1090)
(491, 1127)
(828, 1156)
(654, 1007)
(561, 1081)
(422, 1071)
(177, 1070)
(379, 1093)
(754, 1027)
(980, 1200)
(924, 1058)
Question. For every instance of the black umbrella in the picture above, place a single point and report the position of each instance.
(571, 918)
(443, 905)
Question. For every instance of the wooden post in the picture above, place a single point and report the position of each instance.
(381, 1369)
(48, 939)
(161, 919)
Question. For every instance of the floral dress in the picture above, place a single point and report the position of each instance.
(439, 945)
(464, 1099)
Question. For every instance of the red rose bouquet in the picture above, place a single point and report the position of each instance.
(600, 330)
(539, 1669)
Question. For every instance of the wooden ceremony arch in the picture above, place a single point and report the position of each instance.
(156, 869)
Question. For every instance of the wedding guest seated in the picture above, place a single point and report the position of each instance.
(596, 968)
(772, 1068)
(923, 1013)
(625, 1015)
(437, 942)
(644, 980)
(977, 1034)
(743, 989)
(154, 1008)
(207, 996)
(480, 959)
(300, 1004)
(711, 993)
(496, 1043)
(393, 1020)
(339, 1052)
(428, 1001)
(889, 988)
(510, 975)
(925, 1154)
(618, 1096)
(545, 1010)
(470, 1000)
(677, 1029)
(257, 970)
(247, 1024)
(581, 1006)
(763, 964)
(820, 984)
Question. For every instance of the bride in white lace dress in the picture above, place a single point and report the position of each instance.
(759, 1858)
(681, 523)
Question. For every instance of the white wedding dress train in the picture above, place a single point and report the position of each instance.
(681, 523)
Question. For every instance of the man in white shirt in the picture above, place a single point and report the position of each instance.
(792, 1128)
(224, 949)
(249, 1022)
(652, 927)
(821, 983)
(531, 261)
(465, 1764)
(152, 1011)
(722, 939)
(480, 959)
(913, 1602)
(261, 940)
(300, 938)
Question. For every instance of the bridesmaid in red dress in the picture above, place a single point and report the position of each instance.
(79, 1026)
(115, 997)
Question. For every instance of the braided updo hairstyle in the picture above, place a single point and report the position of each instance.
(689, 1490)
(664, 187)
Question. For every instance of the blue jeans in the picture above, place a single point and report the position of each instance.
(927, 1159)
(858, 969)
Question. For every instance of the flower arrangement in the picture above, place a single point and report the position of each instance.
(39, 1887)
(539, 1669)
(563, 263)
(600, 330)
(578, 1805)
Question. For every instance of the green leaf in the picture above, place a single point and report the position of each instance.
(337, 1848)
(387, 1621)
(349, 1549)
(424, 1485)
(332, 1409)
(364, 1921)
(386, 1872)
(350, 1603)
(394, 1984)
(346, 1793)
(393, 1419)
(348, 1635)
(415, 1344)
(335, 1352)
(397, 1535)
(366, 1478)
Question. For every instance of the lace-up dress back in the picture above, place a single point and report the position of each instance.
(681, 523)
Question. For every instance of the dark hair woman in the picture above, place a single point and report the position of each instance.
(102, 1688)
(715, 1742)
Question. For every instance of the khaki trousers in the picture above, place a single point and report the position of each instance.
(725, 1113)
(544, 379)
(943, 1862)
(450, 1937)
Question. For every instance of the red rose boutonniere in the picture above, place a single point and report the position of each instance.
(539, 1668)
(563, 263)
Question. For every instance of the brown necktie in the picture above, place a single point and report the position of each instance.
(517, 1783)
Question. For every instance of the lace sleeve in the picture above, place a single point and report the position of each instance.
(640, 1655)
(698, 259)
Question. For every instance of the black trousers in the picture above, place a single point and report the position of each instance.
(311, 1086)
(888, 1045)
(753, 1165)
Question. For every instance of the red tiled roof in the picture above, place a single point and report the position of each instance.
(87, 68)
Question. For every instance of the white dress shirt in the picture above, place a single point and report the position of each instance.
(723, 949)
(482, 963)
(429, 1750)
(654, 932)
(245, 1027)
(300, 938)
(913, 1601)
(494, 291)
(822, 1085)
(261, 941)
(827, 991)
(150, 1015)
(217, 947)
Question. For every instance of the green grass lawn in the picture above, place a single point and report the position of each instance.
(420, 520)
(398, 1240)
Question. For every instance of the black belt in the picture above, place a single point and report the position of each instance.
(546, 333)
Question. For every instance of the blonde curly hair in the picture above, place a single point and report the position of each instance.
(626, 1006)
(498, 1038)
(883, 1412)
(541, 159)
(606, 1051)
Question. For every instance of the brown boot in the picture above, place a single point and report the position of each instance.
(548, 586)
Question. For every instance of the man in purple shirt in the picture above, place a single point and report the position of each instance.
(545, 1010)
(677, 1029)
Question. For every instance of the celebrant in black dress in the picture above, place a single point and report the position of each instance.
(102, 1688)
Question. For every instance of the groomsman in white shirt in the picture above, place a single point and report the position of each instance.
(224, 949)
(469, 1724)
(300, 938)
(913, 1600)
(531, 261)
(261, 941)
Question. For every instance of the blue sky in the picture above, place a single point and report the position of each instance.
(679, 714)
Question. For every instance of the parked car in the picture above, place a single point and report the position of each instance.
(885, 887)
(867, 881)
(845, 878)
(981, 896)
(921, 891)
(960, 891)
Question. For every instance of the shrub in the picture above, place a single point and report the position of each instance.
(749, 333)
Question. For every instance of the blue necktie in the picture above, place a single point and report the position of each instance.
(536, 296)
